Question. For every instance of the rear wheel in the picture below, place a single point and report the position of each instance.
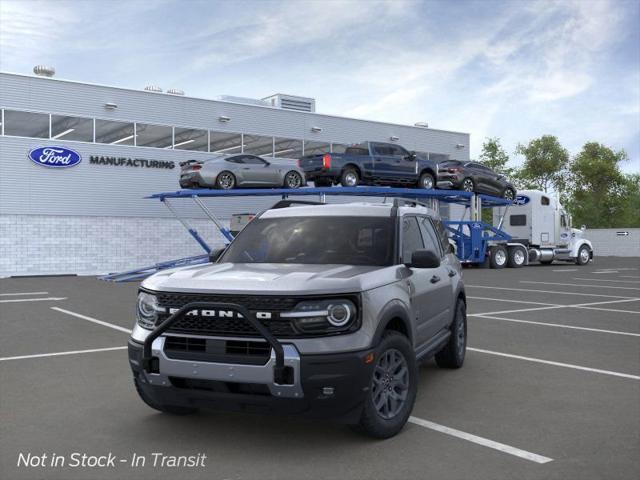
(393, 388)
(498, 256)
(226, 180)
(293, 179)
(583, 255)
(426, 181)
(349, 177)
(172, 409)
(468, 185)
(509, 194)
(452, 355)
(517, 257)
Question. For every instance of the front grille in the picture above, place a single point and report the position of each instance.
(214, 326)
(245, 352)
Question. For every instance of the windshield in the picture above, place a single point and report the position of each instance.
(315, 240)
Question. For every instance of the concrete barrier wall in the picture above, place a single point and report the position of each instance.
(616, 242)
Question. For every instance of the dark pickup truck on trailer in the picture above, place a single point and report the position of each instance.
(370, 163)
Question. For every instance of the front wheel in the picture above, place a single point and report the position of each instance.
(468, 185)
(293, 179)
(453, 353)
(583, 255)
(393, 388)
(226, 180)
(426, 181)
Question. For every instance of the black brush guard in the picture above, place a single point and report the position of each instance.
(279, 369)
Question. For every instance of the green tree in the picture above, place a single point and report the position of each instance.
(495, 157)
(545, 164)
(630, 214)
(600, 196)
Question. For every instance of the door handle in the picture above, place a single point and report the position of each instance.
(452, 273)
(435, 279)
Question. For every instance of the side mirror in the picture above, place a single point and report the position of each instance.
(214, 255)
(424, 259)
(411, 156)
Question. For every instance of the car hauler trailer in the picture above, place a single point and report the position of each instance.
(475, 242)
(538, 223)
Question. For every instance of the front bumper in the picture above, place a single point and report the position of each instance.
(322, 386)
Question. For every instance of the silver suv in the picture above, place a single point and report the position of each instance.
(321, 310)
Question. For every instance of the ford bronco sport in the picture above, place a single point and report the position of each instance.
(321, 310)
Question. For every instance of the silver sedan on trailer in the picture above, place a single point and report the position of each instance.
(244, 170)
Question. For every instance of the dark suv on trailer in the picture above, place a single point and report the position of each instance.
(322, 310)
(474, 177)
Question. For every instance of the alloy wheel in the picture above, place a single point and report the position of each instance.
(293, 180)
(351, 179)
(390, 384)
(467, 185)
(226, 181)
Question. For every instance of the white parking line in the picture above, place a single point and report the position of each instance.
(512, 301)
(606, 271)
(566, 270)
(629, 276)
(57, 354)
(92, 320)
(528, 290)
(580, 285)
(559, 325)
(485, 442)
(47, 299)
(610, 310)
(588, 306)
(23, 293)
(556, 364)
(606, 280)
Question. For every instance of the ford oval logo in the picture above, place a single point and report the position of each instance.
(55, 157)
(521, 200)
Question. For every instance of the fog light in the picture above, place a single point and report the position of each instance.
(328, 391)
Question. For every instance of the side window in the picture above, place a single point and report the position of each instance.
(235, 159)
(518, 220)
(381, 149)
(544, 201)
(398, 151)
(253, 160)
(441, 231)
(411, 238)
(431, 241)
(563, 220)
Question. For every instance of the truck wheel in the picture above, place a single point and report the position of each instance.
(349, 177)
(172, 409)
(583, 255)
(452, 355)
(394, 385)
(498, 256)
(426, 181)
(226, 180)
(517, 257)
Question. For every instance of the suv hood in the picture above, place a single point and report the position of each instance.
(272, 278)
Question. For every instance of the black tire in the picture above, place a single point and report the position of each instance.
(517, 257)
(293, 180)
(322, 182)
(225, 180)
(427, 181)
(468, 185)
(584, 255)
(349, 177)
(509, 194)
(498, 256)
(171, 409)
(372, 422)
(453, 353)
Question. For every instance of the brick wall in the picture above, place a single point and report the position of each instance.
(43, 244)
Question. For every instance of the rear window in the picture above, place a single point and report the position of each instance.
(315, 240)
(450, 163)
(356, 151)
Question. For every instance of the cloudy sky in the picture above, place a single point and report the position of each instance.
(513, 69)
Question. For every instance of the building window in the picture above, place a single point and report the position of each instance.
(71, 128)
(191, 139)
(316, 148)
(287, 148)
(225, 143)
(115, 133)
(157, 136)
(26, 124)
(258, 145)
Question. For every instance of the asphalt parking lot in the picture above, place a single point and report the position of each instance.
(550, 389)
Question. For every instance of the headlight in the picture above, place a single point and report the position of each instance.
(324, 316)
(147, 311)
